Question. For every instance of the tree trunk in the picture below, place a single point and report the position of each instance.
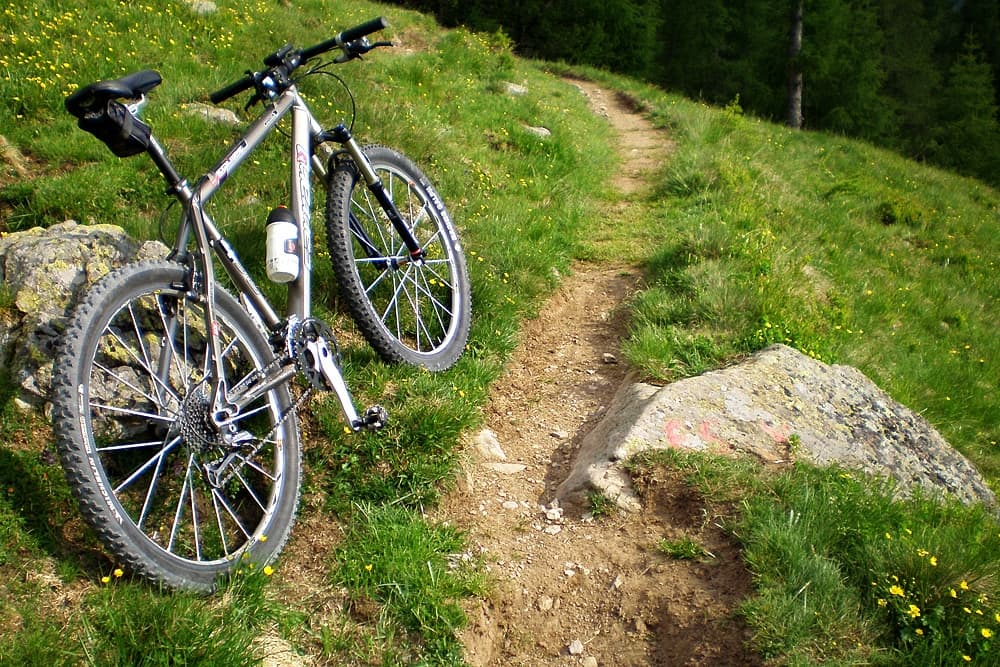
(795, 68)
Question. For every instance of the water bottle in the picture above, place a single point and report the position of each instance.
(282, 246)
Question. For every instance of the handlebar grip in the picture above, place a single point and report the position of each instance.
(364, 29)
(232, 89)
(348, 35)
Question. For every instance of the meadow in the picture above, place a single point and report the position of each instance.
(752, 234)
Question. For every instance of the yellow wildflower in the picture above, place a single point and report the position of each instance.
(897, 590)
(964, 585)
(268, 570)
(368, 567)
(913, 611)
(933, 561)
(118, 573)
(953, 593)
(966, 658)
(920, 632)
(986, 633)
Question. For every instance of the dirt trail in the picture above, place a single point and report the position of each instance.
(572, 590)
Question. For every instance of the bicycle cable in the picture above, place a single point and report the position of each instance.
(321, 69)
(163, 216)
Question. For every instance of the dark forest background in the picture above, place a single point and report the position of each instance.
(918, 76)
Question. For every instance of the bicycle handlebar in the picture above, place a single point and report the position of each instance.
(291, 59)
(346, 36)
(232, 89)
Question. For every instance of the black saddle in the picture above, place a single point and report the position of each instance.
(95, 96)
(99, 112)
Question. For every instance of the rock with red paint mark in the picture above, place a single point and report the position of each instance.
(778, 405)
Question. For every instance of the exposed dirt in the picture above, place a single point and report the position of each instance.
(572, 589)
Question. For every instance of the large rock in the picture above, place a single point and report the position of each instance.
(44, 273)
(777, 405)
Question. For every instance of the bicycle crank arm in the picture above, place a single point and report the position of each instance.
(323, 361)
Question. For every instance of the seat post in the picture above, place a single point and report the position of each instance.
(175, 182)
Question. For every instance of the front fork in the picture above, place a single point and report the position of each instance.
(343, 136)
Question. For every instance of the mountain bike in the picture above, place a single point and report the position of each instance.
(174, 400)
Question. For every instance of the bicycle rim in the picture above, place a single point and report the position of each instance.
(412, 311)
(190, 503)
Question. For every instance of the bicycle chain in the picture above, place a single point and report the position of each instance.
(293, 341)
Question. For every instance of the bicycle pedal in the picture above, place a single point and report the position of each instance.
(374, 418)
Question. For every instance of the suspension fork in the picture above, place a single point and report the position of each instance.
(343, 136)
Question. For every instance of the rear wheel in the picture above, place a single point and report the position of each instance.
(416, 312)
(169, 492)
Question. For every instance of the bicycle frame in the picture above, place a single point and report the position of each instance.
(306, 134)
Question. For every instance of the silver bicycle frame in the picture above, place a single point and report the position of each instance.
(306, 133)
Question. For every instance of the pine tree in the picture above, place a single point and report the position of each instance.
(969, 135)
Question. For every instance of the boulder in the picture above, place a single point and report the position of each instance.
(776, 405)
(44, 272)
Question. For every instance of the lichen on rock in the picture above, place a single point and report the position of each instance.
(44, 272)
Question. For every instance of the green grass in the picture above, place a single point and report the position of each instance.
(682, 548)
(411, 576)
(845, 572)
(752, 234)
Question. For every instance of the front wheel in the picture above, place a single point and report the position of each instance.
(173, 493)
(410, 311)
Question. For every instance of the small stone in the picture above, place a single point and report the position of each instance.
(203, 7)
(590, 661)
(488, 445)
(575, 647)
(539, 131)
(514, 89)
(215, 114)
(559, 435)
(609, 358)
(14, 157)
(507, 468)
(545, 603)
(617, 583)
(510, 505)
(552, 530)
(554, 514)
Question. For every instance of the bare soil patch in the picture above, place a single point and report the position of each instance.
(572, 589)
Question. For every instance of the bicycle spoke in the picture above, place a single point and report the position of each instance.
(141, 470)
(128, 349)
(181, 499)
(152, 489)
(135, 413)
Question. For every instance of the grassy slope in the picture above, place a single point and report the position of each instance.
(755, 234)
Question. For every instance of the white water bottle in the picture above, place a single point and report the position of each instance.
(282, 246)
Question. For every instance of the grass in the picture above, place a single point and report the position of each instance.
(752, 234)
(682, 548)
(845, 571)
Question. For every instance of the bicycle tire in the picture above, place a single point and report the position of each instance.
(130, 414)
(409, 312)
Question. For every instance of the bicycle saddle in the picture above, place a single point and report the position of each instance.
(94, 97)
